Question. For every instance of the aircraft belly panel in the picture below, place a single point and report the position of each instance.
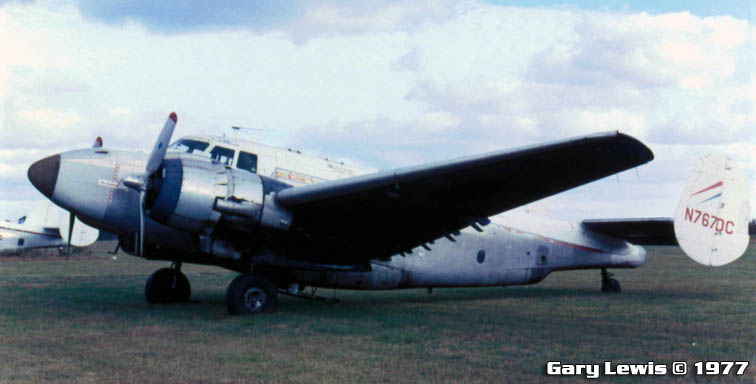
(381, 277)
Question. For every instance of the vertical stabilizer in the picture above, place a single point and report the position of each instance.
(82, 234)
(711, 221)
(43, 214)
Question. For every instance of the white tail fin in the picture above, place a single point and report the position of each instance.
(711, 221)
(43, 214)
(82, 236)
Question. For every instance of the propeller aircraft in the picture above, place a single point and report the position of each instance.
(286, 221)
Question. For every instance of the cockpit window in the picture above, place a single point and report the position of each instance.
(189, 146)
(222, 155)
(247, 161)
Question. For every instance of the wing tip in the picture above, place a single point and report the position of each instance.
(173, 117)
(643, 152)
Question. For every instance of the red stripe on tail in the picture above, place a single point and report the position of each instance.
(718, 184)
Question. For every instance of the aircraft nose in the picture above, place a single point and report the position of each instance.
(44, 174)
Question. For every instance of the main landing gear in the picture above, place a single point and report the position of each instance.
(251, 293)
(608, 284)
(247, 294)
(167, 285)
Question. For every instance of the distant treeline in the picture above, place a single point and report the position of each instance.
(752, 227)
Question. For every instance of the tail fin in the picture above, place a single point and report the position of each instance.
(82, 235)
(711, 221)
(44, 213)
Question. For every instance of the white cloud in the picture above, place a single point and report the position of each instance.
(49, 119)
(120, 111)
(642, 50)
(360, 18)
(386, 83)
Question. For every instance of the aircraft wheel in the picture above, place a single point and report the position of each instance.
(251, 293)
(167, 285)
(610, 285)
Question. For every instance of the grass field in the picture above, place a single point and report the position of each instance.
(86, 321)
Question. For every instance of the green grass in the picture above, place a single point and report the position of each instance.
(86, 321)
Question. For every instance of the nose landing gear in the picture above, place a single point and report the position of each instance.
(168, 285)
(608, 284)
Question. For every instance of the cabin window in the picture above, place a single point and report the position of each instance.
(222, 155)
(247, 161)
(481, 256)
(189, 146)
(543, 254)
(20, 242)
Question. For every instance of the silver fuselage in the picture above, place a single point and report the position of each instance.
(515, 248)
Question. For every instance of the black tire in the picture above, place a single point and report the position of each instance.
(167, 285)
(250, 293)
(611, 286)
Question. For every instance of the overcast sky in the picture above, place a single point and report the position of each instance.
(386, 84)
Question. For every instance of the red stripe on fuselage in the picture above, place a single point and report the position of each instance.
(27, 231)
(553, 241)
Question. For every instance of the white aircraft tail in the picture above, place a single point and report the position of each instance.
(711, 221)
(43, 214)
(82, 235)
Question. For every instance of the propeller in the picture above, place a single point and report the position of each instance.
(141, 183)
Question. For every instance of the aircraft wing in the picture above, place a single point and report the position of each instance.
(642, 231)
(388, 212)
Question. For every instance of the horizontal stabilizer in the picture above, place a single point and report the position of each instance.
(642, 231)
(711, 221)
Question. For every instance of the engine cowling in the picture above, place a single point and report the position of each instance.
(199, 197)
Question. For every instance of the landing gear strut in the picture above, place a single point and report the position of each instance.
(251, 293)
(608, 284)
(168, 285)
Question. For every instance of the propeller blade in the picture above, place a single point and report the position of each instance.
(161, 145)
(142, 195)
(154, 162)
(71, 219)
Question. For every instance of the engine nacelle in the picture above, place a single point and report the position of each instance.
(198, 196)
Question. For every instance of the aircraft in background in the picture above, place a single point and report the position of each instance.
(45, 226)
(286, 220)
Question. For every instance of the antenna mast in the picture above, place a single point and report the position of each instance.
(236, 129)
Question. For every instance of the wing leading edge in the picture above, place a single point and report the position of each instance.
(381, 214)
